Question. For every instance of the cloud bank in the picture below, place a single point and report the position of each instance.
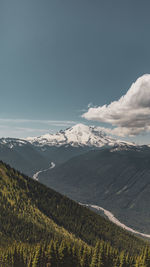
(130, 115)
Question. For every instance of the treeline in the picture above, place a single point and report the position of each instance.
(68, 254)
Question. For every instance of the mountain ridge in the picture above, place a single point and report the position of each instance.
(78, 135)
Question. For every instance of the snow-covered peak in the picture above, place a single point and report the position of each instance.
(78, 135)
(78, 128)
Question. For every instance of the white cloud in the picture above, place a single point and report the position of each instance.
(130, 115)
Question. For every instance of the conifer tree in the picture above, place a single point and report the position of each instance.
(63, 253)
(36, 259)
(95, 257)
(123, 260)
(75, 261)
(51, 255)
(146, 257)
(84, 260)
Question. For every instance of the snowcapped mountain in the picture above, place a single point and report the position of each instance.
(78, 135)
(34, 154)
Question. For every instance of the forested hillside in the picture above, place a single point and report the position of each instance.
(40, 227)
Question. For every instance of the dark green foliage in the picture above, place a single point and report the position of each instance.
(28, 208)
(23, 255)
(41, 228)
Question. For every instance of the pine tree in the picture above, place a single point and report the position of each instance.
(146, 257)
(63, 254)
(95, 257)
(84, 260)
(36, 259)
(51, 255)
(123, 260)
(75, 261)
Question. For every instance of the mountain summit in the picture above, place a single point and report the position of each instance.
(78, 135)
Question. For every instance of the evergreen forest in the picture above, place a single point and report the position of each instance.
(40, 227)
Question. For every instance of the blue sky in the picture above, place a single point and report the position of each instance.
(58, 56)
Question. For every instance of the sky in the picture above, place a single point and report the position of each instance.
(63, 60)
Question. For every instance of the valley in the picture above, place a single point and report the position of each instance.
(90, 167)
(113, 219)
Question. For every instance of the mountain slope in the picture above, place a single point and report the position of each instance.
(22, 155)
(116, 180)
(39, 227)
(31, 212)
